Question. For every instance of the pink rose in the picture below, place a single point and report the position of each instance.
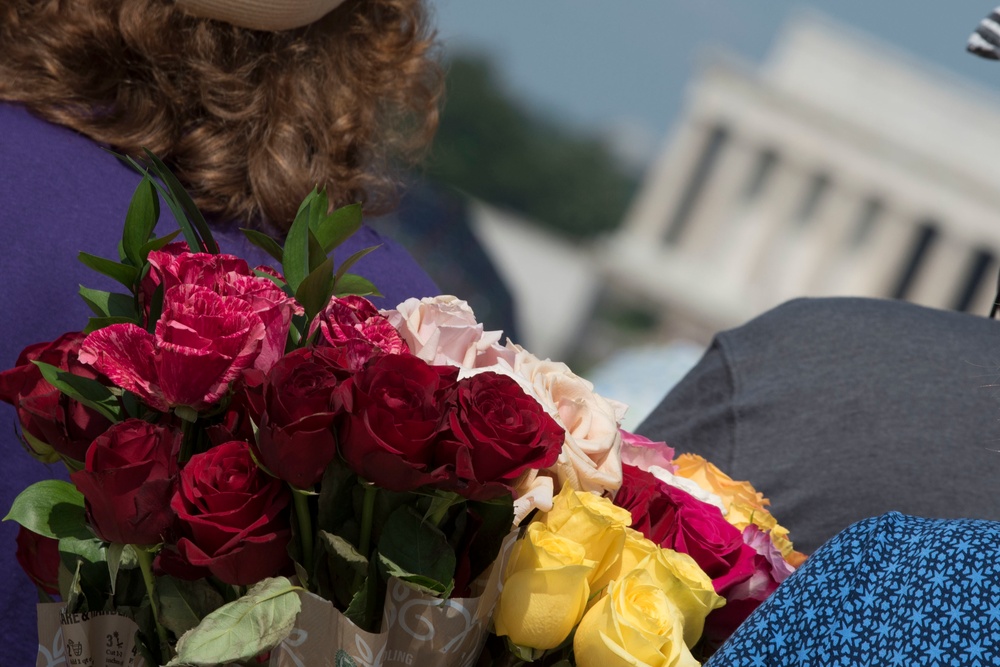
(230, 276)
(674, 519)
(641, 452)
(46, 414)
(770, 569)
(354, 318)
(202, 343)
(129, 477)
(443, 330)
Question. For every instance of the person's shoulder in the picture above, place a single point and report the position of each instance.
(810, 322)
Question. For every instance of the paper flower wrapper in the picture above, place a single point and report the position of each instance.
(101, 639)
(417, 629)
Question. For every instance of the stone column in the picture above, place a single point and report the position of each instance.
(941, 274)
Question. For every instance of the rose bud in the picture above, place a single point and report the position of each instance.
(496, 433)
(128, 480)
(302, 398)
(398, 405)
(39, 558)
(46, 414)
(232, 517)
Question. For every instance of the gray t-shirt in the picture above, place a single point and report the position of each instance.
(845, 408)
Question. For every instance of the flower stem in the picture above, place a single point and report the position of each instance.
(305, 529)
(146, 565)
(367, 515)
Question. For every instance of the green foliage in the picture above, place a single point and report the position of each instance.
(52, 508)
(493, 147)
(242, 629)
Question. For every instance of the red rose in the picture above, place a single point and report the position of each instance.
(397, 410)
(244, 410)
(674, 519)
(497, 432)
(302, 398)
(203, 342)
(230, 276)
(232, 517)
(356, 318)
(45, 413)
(130, 474)
(39, 558)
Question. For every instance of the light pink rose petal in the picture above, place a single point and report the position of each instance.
(642, 452)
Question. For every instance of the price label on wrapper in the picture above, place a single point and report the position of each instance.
(88, 639)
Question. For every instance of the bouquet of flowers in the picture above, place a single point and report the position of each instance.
(265, 468)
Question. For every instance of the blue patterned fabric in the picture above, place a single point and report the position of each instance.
(893, 590)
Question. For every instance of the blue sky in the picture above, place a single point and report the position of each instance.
(606, 64)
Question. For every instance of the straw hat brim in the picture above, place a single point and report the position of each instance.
(270, 15)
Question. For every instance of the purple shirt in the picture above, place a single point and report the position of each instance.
(61, 193)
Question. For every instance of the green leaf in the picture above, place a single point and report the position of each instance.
(334, 228)
(120, 555)
(52, 508)
(89, 392)
(184, 603)
(315, 290)
(88, 557)
(42, 451)
(340, 568)
(241, 630)
(295, 258)
(189, 210)
(122, 273)
(157, 243)
(265, 243)
(143, 213)
(351, 283)
(155, 309)
(353, 259)
(417, 552)
(366, 608)
(110, 304)
(497, 517)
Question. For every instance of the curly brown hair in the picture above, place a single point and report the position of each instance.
(250, 120)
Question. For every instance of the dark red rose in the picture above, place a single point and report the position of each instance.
(354, 318)
(232, 517)
(128, 480)
(676, 520)
(202, 343)
(46, 414)
(243, 412)
(302, 397)
(496, 433)
(39, 558)
(397, 411)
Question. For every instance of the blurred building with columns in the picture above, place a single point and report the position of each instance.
(838, 167)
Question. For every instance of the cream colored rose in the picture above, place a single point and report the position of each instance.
(442, 330)
(545, 590)
(591, 456)
(637, 623)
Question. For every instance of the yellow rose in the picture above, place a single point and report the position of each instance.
(634, 550)
(637, 623)
(593, 521)
(545, 591)
(687, 585)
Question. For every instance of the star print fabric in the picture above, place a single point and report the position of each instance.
(892, 590)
